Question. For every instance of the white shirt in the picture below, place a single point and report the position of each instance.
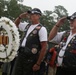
(42, 32)
(57, 38)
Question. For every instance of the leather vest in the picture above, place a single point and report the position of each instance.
(69, 58)
(33, 45)
(33, 39)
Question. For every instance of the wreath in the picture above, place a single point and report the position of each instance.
(9, 40)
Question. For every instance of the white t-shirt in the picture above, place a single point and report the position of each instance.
(42, 32)
(58, 37)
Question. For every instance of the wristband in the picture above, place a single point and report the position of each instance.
(19, 17)
(37, 64)
(56, 25)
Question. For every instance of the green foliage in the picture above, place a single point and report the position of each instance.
(1, 7)
(12, 9)
(61, 12)
(47, 20)
(50, 18)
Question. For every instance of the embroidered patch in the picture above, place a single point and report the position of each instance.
(35, 31)
(69, 45)
(34, 50)
(31, 34)
(73, 37)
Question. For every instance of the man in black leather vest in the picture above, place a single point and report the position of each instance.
(33, 44)
(66, 50)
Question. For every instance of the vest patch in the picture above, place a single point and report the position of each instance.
(69, 58)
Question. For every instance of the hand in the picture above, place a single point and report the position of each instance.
(61, 21)
(23, 15)
(36, 67)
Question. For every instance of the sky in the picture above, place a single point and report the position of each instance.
(69, 5)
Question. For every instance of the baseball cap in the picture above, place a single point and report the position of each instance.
(72, 17)
(35, 11)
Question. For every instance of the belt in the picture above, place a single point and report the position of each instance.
(25, 50)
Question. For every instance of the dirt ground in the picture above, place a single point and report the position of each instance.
(51, 71)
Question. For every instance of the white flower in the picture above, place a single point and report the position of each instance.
(2, 47)
(12, 47)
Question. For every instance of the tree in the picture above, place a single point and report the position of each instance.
(15, 9)
(47, 20)
(11, 8)
(61, 11)
(2, 7)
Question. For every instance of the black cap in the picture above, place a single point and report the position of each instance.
(72, 17)
(35, 11)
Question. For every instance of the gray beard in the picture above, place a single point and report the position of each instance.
(71, 28)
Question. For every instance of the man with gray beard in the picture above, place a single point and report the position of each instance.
(66, 49)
